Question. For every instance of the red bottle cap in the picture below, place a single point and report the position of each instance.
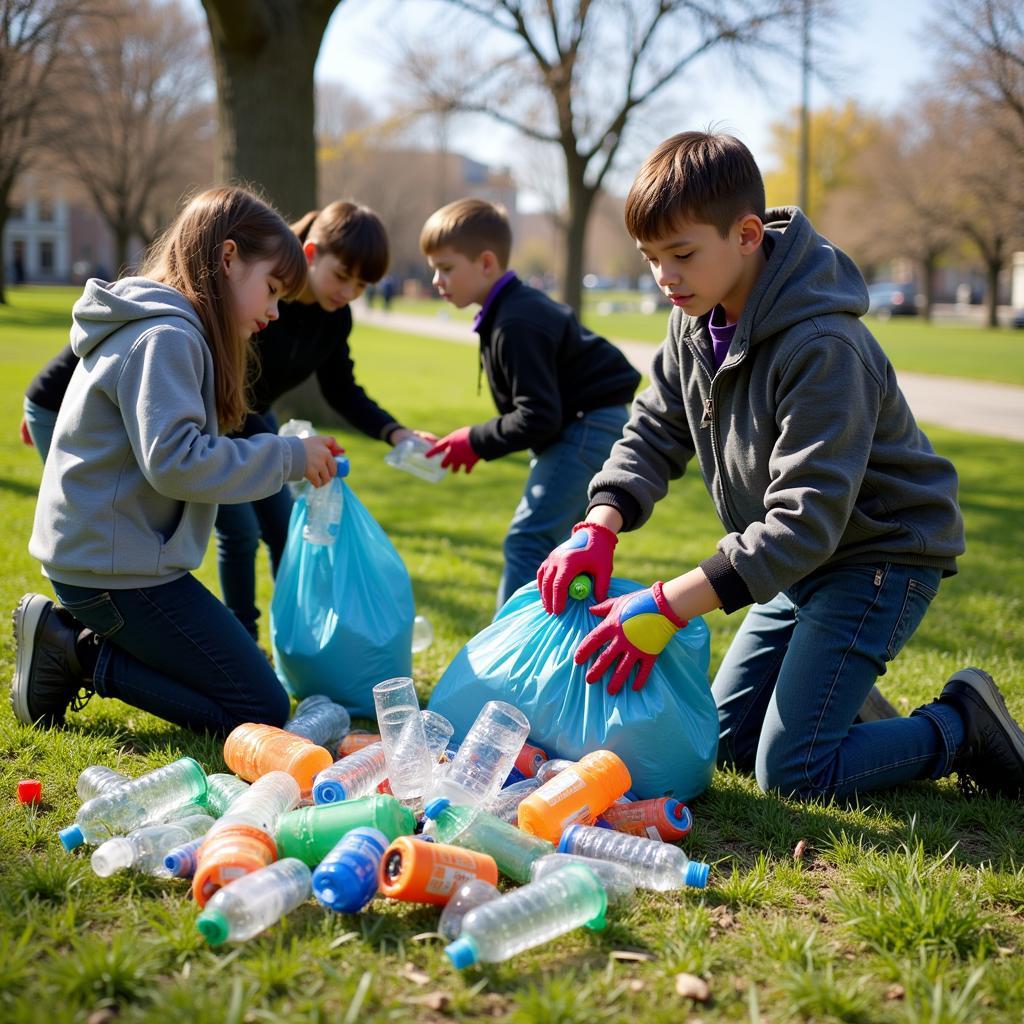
(30, 791)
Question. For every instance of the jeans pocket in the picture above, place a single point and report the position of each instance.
(98, 612)
(918, 596)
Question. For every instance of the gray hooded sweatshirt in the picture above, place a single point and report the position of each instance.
(806, 444)
(132, 482)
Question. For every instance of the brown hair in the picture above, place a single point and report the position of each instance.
(188, 257)
(701, 177)
(353, 233)
(469, 226)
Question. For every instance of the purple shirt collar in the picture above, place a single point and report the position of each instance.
(721, 336)
(507, 278)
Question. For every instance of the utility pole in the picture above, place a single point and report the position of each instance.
(803, 198)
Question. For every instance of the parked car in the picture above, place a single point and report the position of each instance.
(889, 298)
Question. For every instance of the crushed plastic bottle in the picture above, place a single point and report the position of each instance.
(616, 879)
(653, 864)
(410, 455)
(324, 508)
(136, 803)
(252, 904)
(505, 804)
(410, 763)
(346, 879)
(97, 779)
(467, 897)
(321, 721)
(144, 849)
(530, 916)
(422, 634)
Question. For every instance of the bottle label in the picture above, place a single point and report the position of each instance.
(446, 879)
(561, 786)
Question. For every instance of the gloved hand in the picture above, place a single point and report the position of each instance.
(590, 549)
(458, 452)
(637, 626)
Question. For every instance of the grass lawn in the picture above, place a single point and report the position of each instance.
(905, 906)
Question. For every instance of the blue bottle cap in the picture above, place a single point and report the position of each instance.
(328, 791)
(175, 862)
(565, 843)
(343, 465)
(435, 807)
(697, 874)
(462, 952)
(71, 837)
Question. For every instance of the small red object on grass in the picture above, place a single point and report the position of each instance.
(29, 791)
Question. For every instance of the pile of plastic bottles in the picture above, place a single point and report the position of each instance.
(403, 815)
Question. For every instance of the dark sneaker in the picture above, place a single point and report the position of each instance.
(47, 673)
(992, 757)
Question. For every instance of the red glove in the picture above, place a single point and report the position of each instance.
(590, 549)
(636, 628)
(458, 452)
(26, 437)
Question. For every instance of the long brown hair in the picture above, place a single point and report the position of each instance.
(353, 233)
(188, 257)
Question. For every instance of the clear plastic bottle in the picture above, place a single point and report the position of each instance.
(263, 803)
(530, 916)
(297, 428)
(468, 896)
(422, 634)
(616, 879)
(181, 861)
(252, 904)
(485, 756)
(322, 722)
(505, 805)
(410, 764)
(223, 789)
(136, 802)
(97, 779)
(512, 849)
(360, 774)
(346, 879)
(654, 864)
(409, 455)
(324, 507)
(549, 769)
(144, 849)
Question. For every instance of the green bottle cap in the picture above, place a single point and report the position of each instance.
(213, 926)
(580, 587)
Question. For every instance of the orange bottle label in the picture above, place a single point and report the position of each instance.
(430, 872)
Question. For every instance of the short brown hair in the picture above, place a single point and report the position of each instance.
(353, 233)
(469, 226)
(700, 177)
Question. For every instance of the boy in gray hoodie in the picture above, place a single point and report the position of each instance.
(840, 518)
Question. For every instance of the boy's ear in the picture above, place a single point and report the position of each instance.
(310, 251)
(751, 233)
(488, 261)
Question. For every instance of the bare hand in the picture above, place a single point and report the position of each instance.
(320, 464)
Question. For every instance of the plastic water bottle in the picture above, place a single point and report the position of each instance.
(181, 861)
(410, 764)
(506, 804)
(530, 916)
(409, 455)
(144, 848)
(529, 760)
(485, 756)
(664, 818)
(223, 789)
(324, 506)
(616, 879)
(297, 428)
(252, 749)
(419, 872)
(263, 803)
(321, 721)
(512, 849)
(97, 779)
(422, 634)
(356, 740)
(549, 769)
(135, 803)
(360, 774)
(346, 879)
(468, 896)
(253, 903)
(654, 864)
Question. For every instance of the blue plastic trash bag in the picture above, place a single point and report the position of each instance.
(341, 616)
(667, 733)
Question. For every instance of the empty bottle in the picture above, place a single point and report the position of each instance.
(410, 764)
(362, 772)
(97, 779)
(181, 861)
(578, 794)
(347, 878)
(654, 864)
(549, 769)
(410, 455)
(422, 634)
(467, 897)
(322, 722)
(485, 756)
(506, 804)
(223, 789)
(616, 879)
(419, 872)
(512, 849)
(356, 740)
(664, 818)
(144, 849)
(530, 916)
(252, 904)
(251, 750)
(324, 507)
(135, 803)
(529, 760)
(297, 428)
(310, 833)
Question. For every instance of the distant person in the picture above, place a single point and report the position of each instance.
(561, 390)
(138, 465)
(19, 269)
(345, 247)
(387, 292)
(841, 520)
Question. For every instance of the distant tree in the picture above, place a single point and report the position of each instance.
(138, 123)
(574, 74)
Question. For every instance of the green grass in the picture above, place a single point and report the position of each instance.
(906, 906)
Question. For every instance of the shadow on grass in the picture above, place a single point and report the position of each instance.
(25, 490)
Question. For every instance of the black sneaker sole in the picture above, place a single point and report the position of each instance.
(26, 619)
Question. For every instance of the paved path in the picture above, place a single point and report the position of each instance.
(973, 406)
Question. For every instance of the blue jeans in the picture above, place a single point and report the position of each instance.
(799, 669)
(555, 495)
(40, 423)
(175, 651)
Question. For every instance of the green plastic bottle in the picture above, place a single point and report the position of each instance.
(310, 833)
(512, 849)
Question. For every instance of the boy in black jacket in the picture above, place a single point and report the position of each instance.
(561, 390)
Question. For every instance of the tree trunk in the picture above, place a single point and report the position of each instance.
(992, 268)
(122, 237)
(581, 199)
(264, 55)
(3, 265)
(928, 270)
